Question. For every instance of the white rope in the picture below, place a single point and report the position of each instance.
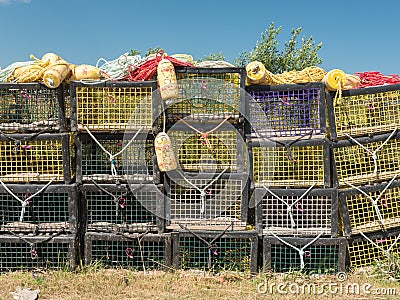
(289, 207)
(118, 68)
(25, 202)
(202, 192)
(373, 153)
(112, 156)
(299, 250)
(375, 201)
(387, 252)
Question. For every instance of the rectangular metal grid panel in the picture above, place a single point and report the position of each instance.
(207, 93)
(113, 106)
(297, 212)
(39, 252)
(354, 161)
(122, 208)
(298, 163)
(370, 248)
(134, 164)
(31, 107)
(205, 203)
(49, 208)
(222, 149)
(35, 157)
(215, 250)
(134, 251)
(371, 208)
(323, 256)
(287, 110)
(366, 111)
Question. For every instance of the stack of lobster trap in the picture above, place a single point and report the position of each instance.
(38, 201)
(207, 195)
(295, 204)
(365, 151)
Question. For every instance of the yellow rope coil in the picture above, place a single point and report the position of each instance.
(258, 74)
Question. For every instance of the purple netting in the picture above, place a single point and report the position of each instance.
(288, 113)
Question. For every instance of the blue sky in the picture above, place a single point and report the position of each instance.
(357, 36)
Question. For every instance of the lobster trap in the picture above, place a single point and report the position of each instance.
(31, 107)
(371, 208)
(207, 93)
(206, 201)
(107, 158)
(28, 208)
(366, 160)
(133, 251)
(287, 110)
(313, 255)
(113, 106)
(35, 157)
(296, 212)
(372, 248)
(21, 252)
(122, 208)
(290, 163)
(208, 147)
(365, 111)
(215, 250)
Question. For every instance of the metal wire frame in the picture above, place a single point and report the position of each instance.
(208, 93)
(215, 250)
(206, 201)
(140, 251)
(371, 248)
(311, 255)
(120, 157)
(30, 208)
(31, 107)
(291, 109)
(21, 252)
(371, 208)
(365, 160)
(122, 208)
(113, 106)
(38, 157)
(209, 147)
(365, 111)
(293, 163)
(296, 212)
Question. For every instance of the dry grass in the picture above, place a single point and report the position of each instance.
(120, 284)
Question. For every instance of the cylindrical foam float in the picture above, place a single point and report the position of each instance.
(255, 72)
(334, 80)
(166, 79)
(165, 153)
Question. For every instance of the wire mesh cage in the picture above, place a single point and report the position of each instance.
(113, 106)
(372, 248)
(122, 208)
(106, 158)
(29, 208)
(371, 208)
(206, 201)
(290, 163)
(209, 148)
(290, 109)
(35, 157)
(296, 212)
(215, 250)
(133, 251)
(207, 93)
(31, 107)
(365, 160)
(362, 112)
(21, 252)
(313, 255)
